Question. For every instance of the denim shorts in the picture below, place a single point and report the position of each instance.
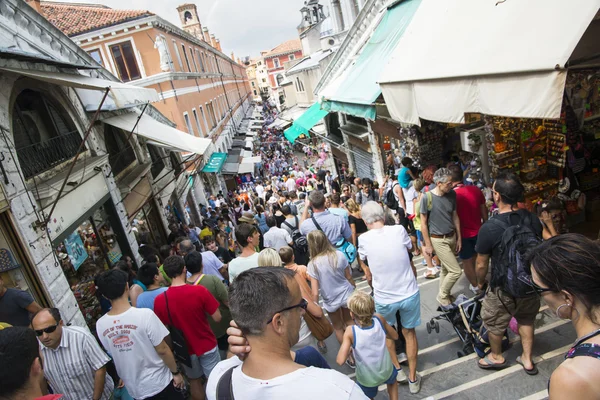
(410, 311)
(467, 250)
(420, 241)
(202, 365)
(371, 392)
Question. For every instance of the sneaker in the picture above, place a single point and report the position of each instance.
(474, 289)
(415, 387)
(322, 348)
(401, 377)
(402, 358)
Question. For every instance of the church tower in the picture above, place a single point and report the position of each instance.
(190, 22)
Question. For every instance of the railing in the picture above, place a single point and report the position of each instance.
(42, 156)
(121, 160)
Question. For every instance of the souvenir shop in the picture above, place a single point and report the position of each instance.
(89, 245)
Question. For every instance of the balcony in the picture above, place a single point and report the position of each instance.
(42, 156)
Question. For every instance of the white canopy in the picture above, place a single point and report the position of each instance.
(160, 133)
(488, 56)
(123, 95)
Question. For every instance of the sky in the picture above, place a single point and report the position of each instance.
(244, 26)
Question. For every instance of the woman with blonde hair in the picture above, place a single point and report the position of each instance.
(355, 220)
(269, 258)
(330, 274)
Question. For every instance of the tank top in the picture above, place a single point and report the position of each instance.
(373, 362)
(580, 349)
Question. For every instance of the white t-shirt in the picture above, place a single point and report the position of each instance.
(302, 384)
(335, 288)
(277, 238)
(290, 184)
(387, 251)
(130, 339)
(241, 264)
(260, 190)
(409, 195)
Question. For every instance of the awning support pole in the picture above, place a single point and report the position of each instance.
(81, 146)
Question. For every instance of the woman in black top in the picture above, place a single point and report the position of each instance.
(565, 272)
(355, 220)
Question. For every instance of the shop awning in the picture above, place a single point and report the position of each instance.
(358, 89)
(137, 197)
(153, 130)
(247, 164)
(305, 122)
(505, 58)
(123, 95)
(215, 163)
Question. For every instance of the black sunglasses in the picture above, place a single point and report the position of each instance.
(303, 305)
(536, 288)
(50, 329)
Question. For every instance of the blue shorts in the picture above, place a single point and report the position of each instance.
(410, 311)
(467, 250)
(202, 365)
(371, 392)
(420, 241)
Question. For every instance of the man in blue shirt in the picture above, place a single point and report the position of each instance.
(334, 226)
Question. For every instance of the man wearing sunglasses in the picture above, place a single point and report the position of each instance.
(74, 363)
(267, 305)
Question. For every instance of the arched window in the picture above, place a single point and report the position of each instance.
(279, 78)
(43, 132)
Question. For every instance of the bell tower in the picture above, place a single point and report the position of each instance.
(190, 22)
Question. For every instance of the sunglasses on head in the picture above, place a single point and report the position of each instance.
(50, 329)
(303, 305)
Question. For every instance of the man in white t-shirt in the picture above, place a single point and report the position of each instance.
(248, 237)
(290, 184)
(394, 281)
(134, 338)
(260, 190)
(275, 237)
(267, 305)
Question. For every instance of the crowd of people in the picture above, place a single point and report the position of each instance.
(241, 305)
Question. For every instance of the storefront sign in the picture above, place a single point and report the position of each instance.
(75, 250)
(215, 163)
(75, 204)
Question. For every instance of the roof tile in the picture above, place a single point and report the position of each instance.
(285, 47)
(74, 19)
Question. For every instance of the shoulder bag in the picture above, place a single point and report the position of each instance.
(180, 348)
(343, 245)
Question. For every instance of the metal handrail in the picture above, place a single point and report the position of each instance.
(42, 156)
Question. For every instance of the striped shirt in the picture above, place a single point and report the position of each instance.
(71, 366)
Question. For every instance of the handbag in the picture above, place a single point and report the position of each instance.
(320, 328)
(343, 245)
(180, 347)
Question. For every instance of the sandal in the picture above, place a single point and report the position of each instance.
(489, 364)
(532, 371)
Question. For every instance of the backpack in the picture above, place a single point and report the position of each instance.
(300, 242)
(389, 198)
(514, 243)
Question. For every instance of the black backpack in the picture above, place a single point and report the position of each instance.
(515, 241)
(300, 242)
(389, 199)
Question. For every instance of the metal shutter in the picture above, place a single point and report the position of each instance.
(363, 162)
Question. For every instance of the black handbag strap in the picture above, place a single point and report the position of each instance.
(225, 385)
(168, 312)
(314, 220)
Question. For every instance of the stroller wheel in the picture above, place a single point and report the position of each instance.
(428, 327)
(437, 327)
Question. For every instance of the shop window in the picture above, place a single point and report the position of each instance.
(96, 55)
(120, 151)
(125, 61)
(44, 135)
(175, 163)
(158, 163)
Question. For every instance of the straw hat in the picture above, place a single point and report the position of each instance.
(247, 218)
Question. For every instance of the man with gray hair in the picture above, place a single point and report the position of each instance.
(386, 248)
(335, 227)
(267, 305)
(440, 227)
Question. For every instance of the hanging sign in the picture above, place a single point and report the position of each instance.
(75, 250)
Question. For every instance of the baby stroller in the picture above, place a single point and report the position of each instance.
(464, 316)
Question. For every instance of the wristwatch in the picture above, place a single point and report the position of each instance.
(176, 372)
